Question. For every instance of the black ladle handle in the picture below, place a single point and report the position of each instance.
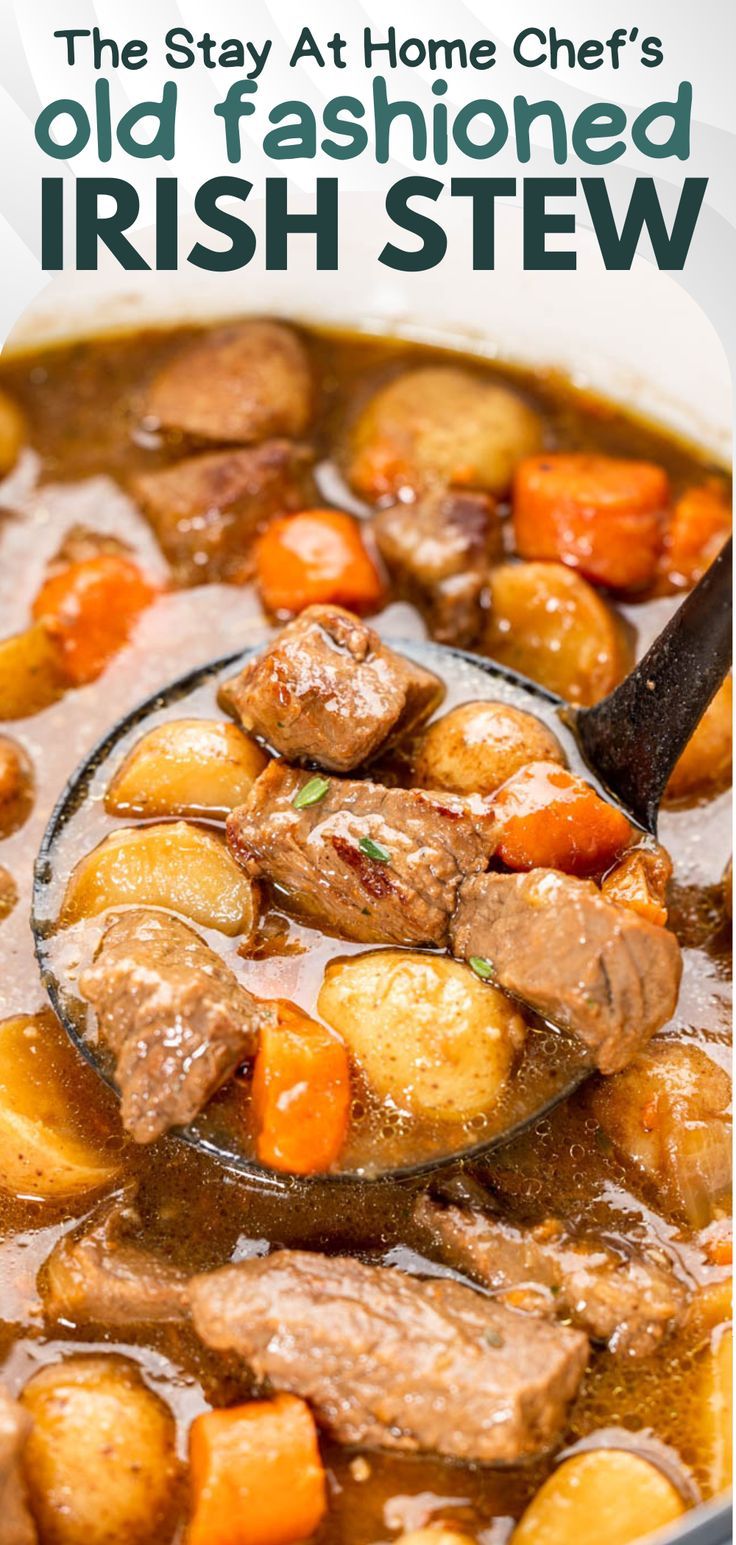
(633, 739)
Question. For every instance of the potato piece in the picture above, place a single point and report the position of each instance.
(606, 1496)
(42, 1152)
(705, 764)
(100, 1458)
(18, 1527)
(440, 424)
(31, 678)
(715, 1408)
(8, 893)
(549, 624)
(668, 1114)
(427, 1032)
(476, 747)
(12, 433)
(16, 786)
(187, 767)
(180, 867)
(434, 1534)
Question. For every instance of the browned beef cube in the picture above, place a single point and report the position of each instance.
(239, 383)
(618, 1296)
(438, 552)
(328, 690)
(175, 1016)
(597, 969)
(366, 862)
(392, 1362)
(17, 1526)
(81, 543)
(97, 1276)
(207, 509)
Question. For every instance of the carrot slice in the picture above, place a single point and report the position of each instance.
(550, 819)
(256, 1474)
(599, 514)
(88, 610)
(316, 556)
(700, 524)
(300, 1094)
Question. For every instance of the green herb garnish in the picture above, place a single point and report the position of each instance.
(311, 793)
(482, 968)
(374, 850)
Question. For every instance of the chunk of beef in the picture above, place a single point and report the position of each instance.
(366, 862)
(668, 1115)
(616, 1296)
(329, 691)
(95, 1275)
(597, 969)
(17, 1527)
(438, 552)
(392, 1362)
(239, 383)
(207, 509)
(81, 543)
(176, 1018)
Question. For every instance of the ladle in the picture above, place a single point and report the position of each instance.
(630, 742)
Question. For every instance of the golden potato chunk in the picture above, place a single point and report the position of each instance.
(100, 1458)
(8, 893)
(715, 1408)
(549, 624)
(12, 433)
(16, 786)
(705, 764)
(476, 747)
(42, 1151)
(241, 383)
(187, 767)
(607, 1496)
(434, 1534)
(177, 866)
(427, 1032)
(440, 424)
(30, 673)
(668, 1115)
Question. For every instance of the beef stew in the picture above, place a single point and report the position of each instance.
(303, 907)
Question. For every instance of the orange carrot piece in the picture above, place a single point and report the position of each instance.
(550, 819)
(599, 514)
(700, 524)
(256, 1474)
(316, 556)
(300, 1094)
(639, 881)
(720, 1251)
(88, 610)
